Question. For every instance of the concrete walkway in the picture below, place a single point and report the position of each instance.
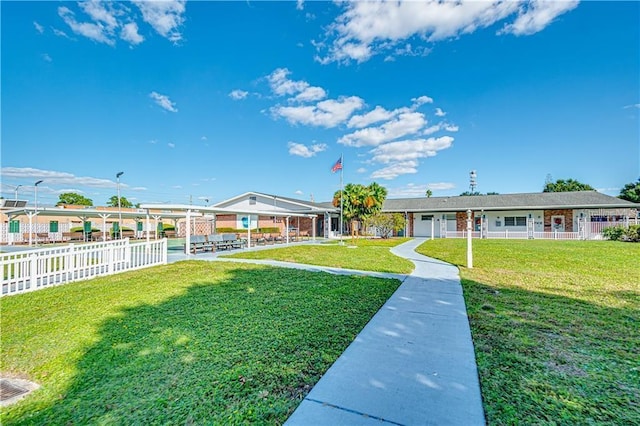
(412, 364)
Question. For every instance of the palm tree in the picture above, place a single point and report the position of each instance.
(360, 202)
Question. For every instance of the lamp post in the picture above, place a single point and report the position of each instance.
(469, 250)
(36, 214)
(16, 192)
(119, 206)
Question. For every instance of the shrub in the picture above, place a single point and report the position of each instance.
(632, 234)
(613, 233)
(620, 233)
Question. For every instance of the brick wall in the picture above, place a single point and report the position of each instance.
(461, 221)
(568, 219)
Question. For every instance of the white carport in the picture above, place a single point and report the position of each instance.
(191, 211)
(89, 213)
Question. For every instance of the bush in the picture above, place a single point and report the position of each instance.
(632, 234)
(81, 229)
(620, 233)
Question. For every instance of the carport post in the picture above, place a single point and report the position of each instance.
(187, 232)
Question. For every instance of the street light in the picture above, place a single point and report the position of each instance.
(16, 191)
(36, 203)
(119, 207)
(469, 251)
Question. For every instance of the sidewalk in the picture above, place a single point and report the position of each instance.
(412, 364)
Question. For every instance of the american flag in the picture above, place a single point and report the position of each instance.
(337, 166)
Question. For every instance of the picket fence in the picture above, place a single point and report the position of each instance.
(31, 270)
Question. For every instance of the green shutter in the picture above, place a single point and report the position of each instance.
(53, 226)
(139, 226)
(116, 227)
(87, 227)
(160, 227)
(14, 227)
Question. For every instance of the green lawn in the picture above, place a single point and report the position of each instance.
(187, 343)
(361, 254)
(556, 328)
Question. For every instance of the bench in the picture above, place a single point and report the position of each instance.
(198, 242)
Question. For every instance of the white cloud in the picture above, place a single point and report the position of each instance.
(451, 128)
(130, 33)
(238, 94)
(282, 85)
(166, 17)
(361, 170)
(60, 33)
(421, 101)
(369, 28)
(328, 113)
(305, 151)
(46, 57)
(163, 101)
(631, 106)
(536, 15)
(203, 138)
(52, 177)
(95, 32)
(99, 13)
(374, 116)
(171, 145)
(300, 4)
(39, 28)
(311, 94)
(406, 123)
(410, 150)
(440, 113)
(107, 20)
(395, 170)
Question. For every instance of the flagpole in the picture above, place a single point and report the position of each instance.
(341, 190)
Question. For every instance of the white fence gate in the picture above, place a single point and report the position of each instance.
(31, 270)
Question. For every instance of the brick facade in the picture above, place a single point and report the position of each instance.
(568, 219)
(461, 220)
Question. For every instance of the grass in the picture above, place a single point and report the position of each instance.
(187, 343)
(360, 254)
(556, 328)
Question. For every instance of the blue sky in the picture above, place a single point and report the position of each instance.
(199, 101)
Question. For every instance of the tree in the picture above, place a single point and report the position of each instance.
(387, 223)
(72, 198)
(429, 193)
(569, 185)
(631, 192)
(113, 202)
(360, 202)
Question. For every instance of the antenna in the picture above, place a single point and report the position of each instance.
(472, 181)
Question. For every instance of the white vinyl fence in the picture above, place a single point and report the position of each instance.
(31, 270)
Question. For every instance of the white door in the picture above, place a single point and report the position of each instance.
(557, 223)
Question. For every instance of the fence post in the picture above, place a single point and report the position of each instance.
(33, 271)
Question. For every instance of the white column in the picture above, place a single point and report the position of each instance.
(469, 249)
(313, 227)
(187, 232)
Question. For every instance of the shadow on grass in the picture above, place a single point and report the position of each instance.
(544, 358)
(246, 348)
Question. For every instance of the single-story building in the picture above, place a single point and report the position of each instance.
(557, 215)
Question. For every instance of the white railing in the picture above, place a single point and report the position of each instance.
(31, 270)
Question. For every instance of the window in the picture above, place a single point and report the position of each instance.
(53, 226)
(427, 217)
(252, 200)
(515, 221)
